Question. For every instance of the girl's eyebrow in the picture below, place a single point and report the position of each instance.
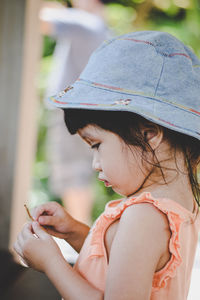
(86, 136)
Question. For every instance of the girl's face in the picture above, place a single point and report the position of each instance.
(118, 165)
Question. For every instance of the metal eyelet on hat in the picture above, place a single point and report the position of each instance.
(62, 93)
(122, 101)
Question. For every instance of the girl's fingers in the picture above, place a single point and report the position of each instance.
(46, 220)
(18, 249)
(37, 211)
(48, 208)
(27, 230)
(25, 235)
(39, 231)
(20, 240)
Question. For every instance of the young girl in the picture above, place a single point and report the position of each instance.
(137, 106)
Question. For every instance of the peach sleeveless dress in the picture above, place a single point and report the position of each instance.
(173, 280)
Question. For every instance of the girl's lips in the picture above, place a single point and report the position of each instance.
(106, 183)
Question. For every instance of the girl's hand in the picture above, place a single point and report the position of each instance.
(55, 219)
(36, 247)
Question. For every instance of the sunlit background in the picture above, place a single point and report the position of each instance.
(178, 17)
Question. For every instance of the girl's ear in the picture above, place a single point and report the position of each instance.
(153, 135)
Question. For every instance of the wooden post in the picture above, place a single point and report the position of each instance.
(27, 118)
(19, 57)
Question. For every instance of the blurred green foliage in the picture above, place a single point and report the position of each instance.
(48, 46)
(178, 17)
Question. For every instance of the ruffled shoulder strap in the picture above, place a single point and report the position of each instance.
(176, 215)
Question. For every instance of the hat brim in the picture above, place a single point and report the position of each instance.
(86, 96)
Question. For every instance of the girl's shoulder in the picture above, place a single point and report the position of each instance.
(169, 207)
(162, 216)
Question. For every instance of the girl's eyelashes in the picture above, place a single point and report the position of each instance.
(95, 146)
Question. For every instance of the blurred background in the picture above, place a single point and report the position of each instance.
(44, 45)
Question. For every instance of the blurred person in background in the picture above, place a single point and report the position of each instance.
(78, 31)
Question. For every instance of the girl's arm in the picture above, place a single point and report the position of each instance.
(69, 283)
(38, 249)
(140, 241)
(59, 223)
(77, 237)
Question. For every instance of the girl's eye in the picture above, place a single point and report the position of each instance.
(95, 146)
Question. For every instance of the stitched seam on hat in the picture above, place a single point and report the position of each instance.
(160, 52)
(129, 92)
(161, 72)
(111, 88)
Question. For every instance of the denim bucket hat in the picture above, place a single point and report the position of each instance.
(149, 73)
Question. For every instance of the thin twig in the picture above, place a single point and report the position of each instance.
(28, 212)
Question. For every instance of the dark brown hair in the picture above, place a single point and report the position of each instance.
(128, 126)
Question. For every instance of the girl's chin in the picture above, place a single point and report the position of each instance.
(118, 191)
(122, 192)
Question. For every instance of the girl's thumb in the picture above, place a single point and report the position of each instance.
(39, 230)
(46, 220)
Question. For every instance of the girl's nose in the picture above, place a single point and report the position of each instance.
(96, 166)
